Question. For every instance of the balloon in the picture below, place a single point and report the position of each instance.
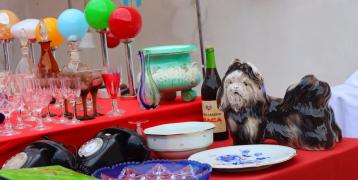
(53, 35)
(7, 19)
(28, 25)
(72, 24)
(97, 13)
(112, 40)
(125, 22)
(5, 32)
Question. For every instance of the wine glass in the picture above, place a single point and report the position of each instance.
(37, 95)
(56, 93)
(139, 128)
(18, 85)
(71, 90)
(111, 77)
(8, 104)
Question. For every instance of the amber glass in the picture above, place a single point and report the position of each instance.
(48, 66)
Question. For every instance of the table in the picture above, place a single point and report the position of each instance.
(338, 163)
(175, 111)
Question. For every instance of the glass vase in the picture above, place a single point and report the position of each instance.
(148, 94)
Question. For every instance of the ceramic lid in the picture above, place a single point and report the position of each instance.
(169, 49)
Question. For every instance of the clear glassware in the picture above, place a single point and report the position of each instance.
(71, 90)
(8, 104)
(37, 95)
(112, 77)
(148, 95)
(139, 128)
(18, 85)
(25, 65)
(56, 93)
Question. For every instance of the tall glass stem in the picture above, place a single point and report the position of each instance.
(114, 105)
(61, 115)
(130, 70)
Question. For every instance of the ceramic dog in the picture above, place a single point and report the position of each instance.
(242, 98)
(303, 117)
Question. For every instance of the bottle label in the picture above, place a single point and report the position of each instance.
(212, 114)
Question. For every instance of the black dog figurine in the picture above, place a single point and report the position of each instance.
(303, 118)
(242, 98)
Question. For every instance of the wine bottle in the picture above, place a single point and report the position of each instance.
(210, 86)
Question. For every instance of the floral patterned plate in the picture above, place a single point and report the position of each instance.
(244, 157)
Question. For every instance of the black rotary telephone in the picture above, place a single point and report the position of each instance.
(112, 146)
(42, 153)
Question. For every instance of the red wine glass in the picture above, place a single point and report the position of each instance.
(112, 77)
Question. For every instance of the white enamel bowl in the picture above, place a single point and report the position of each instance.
(179, 140)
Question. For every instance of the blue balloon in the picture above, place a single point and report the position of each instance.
(72, 24)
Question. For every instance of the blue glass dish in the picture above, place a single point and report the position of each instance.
(156, 169)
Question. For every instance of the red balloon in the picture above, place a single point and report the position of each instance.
(112, 40)
(125, 22)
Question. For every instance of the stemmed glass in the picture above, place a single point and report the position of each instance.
(17, 87)
(71, 90)
(139, 129)
(37, 95)
(111, 78)
(56, 87)
(8, 104)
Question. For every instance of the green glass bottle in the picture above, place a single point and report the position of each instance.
(210, 86)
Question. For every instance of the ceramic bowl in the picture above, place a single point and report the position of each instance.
(157, 169)
(179, 140)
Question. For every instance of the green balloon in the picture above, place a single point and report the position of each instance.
(97, 13)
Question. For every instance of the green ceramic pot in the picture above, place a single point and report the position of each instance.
(173, 69)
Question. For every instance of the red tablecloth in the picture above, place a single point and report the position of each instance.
(338, 163)
(177, 111)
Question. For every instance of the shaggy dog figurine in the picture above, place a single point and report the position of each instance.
(303, 118)
(242, 98)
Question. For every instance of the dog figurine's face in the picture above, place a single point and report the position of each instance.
(242, 87)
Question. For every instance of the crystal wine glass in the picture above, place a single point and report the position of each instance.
(8, 104)
(18, 85)
(56, 93)
(37, 95)
(71, 90)
(111, 78)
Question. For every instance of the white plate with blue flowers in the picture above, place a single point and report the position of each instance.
(244, 157)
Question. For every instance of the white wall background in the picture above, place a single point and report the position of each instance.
(286, 39)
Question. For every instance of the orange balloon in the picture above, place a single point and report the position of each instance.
(53, 34)
(7, 19)
(5, 32)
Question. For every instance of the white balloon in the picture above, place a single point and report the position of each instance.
(28, 25)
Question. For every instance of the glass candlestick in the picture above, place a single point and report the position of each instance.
(104, 49)
(129, 67)
(6, 48)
